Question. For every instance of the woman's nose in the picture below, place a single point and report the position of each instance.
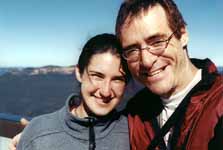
(105, 89)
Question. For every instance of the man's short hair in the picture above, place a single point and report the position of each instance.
(133, 8)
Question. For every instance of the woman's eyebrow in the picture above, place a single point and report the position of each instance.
(119, 77)
(95, 72)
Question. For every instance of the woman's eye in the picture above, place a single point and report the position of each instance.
(119, 80)
(96, 77)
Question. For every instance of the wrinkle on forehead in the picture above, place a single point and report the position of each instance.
(143, 23)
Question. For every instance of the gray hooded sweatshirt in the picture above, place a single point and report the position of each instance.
(63, 131)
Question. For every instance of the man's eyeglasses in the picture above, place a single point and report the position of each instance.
(155, 48)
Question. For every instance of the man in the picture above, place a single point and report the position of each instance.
(182, 104)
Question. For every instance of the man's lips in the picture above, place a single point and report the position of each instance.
(152, 73)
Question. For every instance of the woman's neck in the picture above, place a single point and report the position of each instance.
(79, 111)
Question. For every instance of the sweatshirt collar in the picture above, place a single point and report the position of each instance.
(79, 127)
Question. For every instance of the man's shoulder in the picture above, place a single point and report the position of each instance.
(215, 93)
(215, 89)
(219, 81)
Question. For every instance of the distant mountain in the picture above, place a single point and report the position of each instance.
(9, 69)
(48, 70)
(38, 71)
(34, 91)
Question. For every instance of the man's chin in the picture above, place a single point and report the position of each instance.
(158, 89)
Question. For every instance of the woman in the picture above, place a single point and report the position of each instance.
(88, 120)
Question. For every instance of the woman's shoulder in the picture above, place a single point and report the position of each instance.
(41, 126)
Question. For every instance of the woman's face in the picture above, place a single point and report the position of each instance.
(102, 84)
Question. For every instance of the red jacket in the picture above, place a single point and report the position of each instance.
(202, 123)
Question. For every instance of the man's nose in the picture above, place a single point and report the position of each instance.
(147, 59)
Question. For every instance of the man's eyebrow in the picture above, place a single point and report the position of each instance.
(130, 47)
(155, 37)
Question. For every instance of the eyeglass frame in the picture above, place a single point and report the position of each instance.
(149, 47)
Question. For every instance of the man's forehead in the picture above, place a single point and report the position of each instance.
(153, 12)
(152, 21)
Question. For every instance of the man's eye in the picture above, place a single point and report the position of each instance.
(132, 51)
(158, 43)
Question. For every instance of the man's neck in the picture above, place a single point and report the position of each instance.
(185, 77)
(181, 94)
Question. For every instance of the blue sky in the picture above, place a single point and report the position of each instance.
(52, 32)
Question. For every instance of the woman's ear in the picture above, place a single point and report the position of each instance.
(184, 37)
(77, 73)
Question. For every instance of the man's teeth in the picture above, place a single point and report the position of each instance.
(155, 72)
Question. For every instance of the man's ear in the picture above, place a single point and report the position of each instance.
(77, 73)
(184, 37)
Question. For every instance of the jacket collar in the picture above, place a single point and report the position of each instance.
(209, 73)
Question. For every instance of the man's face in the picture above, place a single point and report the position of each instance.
(162, 74)
(102, 84)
